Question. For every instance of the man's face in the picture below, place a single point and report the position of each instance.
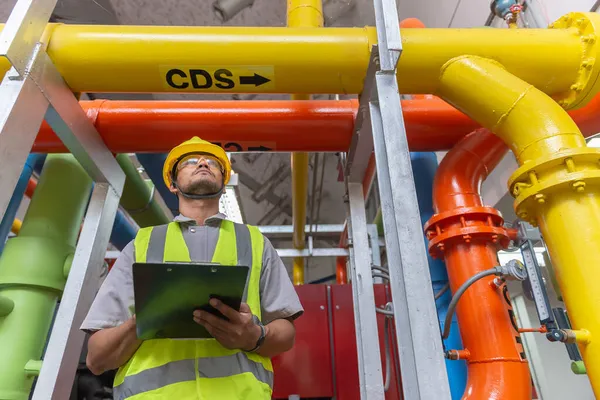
(199, 174)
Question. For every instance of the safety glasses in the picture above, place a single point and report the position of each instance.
(195, 160)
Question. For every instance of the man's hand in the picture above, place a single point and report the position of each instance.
(240, 332)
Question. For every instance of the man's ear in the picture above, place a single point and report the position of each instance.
(173, 189)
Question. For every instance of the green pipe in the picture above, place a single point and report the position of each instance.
(32, 269)
(137, 197)
(378, 220)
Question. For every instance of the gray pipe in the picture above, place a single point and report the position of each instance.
(227, 9)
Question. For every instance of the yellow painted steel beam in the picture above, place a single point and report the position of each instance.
(556, 187)
(301, 14)
(300, 60)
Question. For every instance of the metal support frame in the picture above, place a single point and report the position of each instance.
(380, 127)
(64, 347)
(31, 90)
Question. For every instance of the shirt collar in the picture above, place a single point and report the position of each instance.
(212, 220)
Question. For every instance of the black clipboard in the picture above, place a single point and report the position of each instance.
(166, 295)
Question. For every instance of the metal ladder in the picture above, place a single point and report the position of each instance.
(32, 90)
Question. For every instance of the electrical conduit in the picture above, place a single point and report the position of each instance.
(557, 184)
(467, 236)
(33, 265)
(301, 14)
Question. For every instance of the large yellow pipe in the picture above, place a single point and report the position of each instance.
(300, 60)
(301, 14)
(557, 185)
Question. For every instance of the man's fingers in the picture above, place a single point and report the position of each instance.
(227, 311)
(214, 332)
(208, 318)
(245, 308)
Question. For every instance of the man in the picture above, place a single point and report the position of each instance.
(236, 363)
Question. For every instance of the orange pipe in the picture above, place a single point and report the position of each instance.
(316, 125)
(31, 185)
(468, 236)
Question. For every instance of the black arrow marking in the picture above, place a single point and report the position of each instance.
(255, 80)
(259, 148)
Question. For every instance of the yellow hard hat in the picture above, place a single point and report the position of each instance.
(195, 145)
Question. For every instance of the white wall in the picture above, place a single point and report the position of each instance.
(472, 13)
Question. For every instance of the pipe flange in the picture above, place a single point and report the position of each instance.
(465, 225)
(587, 84)
(535, 183)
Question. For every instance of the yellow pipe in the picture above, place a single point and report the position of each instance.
(557, 185)
(305, 13)
(16, 226)
(299, 196)
(301, 14)
(300, 60)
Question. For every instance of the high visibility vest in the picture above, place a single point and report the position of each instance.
(198, 369)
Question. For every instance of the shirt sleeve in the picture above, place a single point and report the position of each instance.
(277, 294)
(114, 301)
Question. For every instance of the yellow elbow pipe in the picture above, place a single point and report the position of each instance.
(301, 14)
(556, 187)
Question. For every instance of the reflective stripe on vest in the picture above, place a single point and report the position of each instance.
(165, 368)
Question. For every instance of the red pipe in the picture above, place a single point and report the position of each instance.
(468, 236)
(31, 185)
(157, 126)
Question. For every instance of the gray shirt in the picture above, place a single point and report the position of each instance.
(113, 304)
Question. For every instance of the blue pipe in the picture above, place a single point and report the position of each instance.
(34, 161)
(153, 164)
(424, 166)
(123, 231)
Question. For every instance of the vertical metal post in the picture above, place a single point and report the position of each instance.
(421, 356)
(365, 319)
